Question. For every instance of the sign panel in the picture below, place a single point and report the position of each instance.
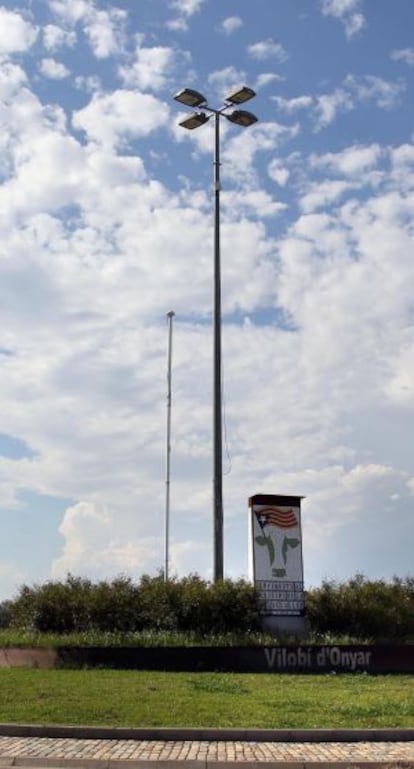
(277, 553)
(248, 659)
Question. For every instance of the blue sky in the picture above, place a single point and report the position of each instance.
(106, 224)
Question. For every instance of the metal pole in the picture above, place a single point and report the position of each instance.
(170, 316)
(217, 407)
(198, 103)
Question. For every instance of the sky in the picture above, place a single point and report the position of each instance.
(106, 224)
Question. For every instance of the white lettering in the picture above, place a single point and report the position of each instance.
(354, 658)
(304, 657)
(346, 659)
(364, 658)
(335, 655)
(321, 658)
(270, 656)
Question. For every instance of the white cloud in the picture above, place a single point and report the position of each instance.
(266, 49)
(55, 37)
(292, 105)
(243, 147)
(403, 155)
(185, 9)
(385, 93)
(400, 388)
(177, 25)
(16, 34)
(328, 105)
(104, 29)
(278, 172)
(151, 69)
(256, 201)
(53, 69)
(52, 193)
(354, 24)
(231, 24)
(402, 167)
(403, 54)
(265, 78)
(90, 84)
(94, 546)
(91, 538)
(226, 80)
(115, 118)
(12, 77)
(410, 485)
(72, 10)
(360, 493)
(361, 477)
(351, 161)
(183, 554)
(322, 194)
(11, 579)
(348, 12)
(105, 32)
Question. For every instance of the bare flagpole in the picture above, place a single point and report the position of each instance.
(170, 316)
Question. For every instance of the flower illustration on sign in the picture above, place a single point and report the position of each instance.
(281, 519)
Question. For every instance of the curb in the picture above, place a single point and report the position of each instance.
(177, 734)
(50, 763)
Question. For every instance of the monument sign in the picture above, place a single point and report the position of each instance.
(277, 561)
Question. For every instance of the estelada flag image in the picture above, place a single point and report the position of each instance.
(274, 516)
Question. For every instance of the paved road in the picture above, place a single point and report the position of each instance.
(196, 754)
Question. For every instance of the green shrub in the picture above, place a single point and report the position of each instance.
(5, 614)
(360, 608)
(114, 606)
(234, 607)
(187, 605)
(363, 608)
(195, 605)
(157, 604)
(60, 607)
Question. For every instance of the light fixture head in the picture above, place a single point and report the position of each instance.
(242, 117)
(190, 98)
(194, 121)
(241, 95)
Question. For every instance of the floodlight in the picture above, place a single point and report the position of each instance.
(242, 117)
(195, 121)
(241, 95)
(190, 98)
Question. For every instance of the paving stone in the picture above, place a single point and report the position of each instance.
(18, 750)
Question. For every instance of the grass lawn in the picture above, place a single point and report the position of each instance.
(139, 698)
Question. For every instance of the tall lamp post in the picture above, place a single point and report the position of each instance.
(200, 107)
